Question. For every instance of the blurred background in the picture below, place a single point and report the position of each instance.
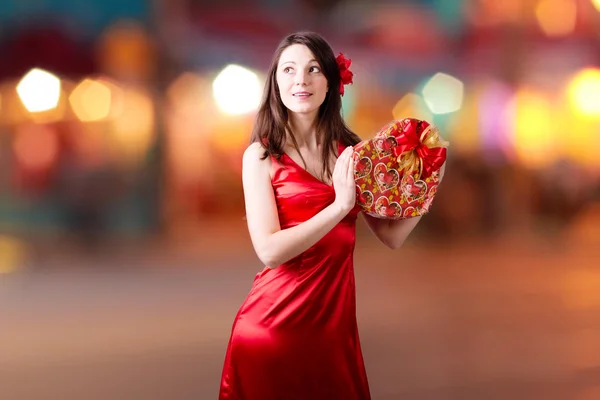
(124, 254)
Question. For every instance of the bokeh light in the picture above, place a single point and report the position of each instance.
(584, 91)
(443, 93)
(534, 130)
(122, 207)
(556, 17)
(133, 129)
(91, 100)
(237, 90)
(39, 90)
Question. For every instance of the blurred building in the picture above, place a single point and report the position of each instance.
(131, 117)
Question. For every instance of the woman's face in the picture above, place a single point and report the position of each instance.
(302, 85)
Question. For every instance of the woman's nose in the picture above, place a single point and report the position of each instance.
(301, 78)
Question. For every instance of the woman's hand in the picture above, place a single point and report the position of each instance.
(343, 181)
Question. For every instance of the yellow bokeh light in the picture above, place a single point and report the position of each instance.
(91, 100)
(596, 4)
(556, 17)
(584, 91)
(133, 129)
(39, 90)
(579, 139)
(535, 134)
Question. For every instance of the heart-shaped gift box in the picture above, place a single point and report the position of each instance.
(397, 172)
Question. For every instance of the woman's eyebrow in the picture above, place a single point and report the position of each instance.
(293, 62)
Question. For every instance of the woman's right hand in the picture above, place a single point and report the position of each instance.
(343, 181)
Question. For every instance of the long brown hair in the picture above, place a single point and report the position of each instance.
(272, 117)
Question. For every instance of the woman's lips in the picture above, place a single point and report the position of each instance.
(302, 95)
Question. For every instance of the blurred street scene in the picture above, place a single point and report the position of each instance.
(124, 254)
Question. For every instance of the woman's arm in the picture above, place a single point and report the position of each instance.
(393, 233)
(273, 245)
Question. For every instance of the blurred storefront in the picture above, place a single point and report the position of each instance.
(135, 116)
(513, 85)
(78, 124)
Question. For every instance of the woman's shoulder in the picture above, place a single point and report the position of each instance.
(255, 150)
(255, 157)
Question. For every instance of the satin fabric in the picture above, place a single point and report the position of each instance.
(295, 336)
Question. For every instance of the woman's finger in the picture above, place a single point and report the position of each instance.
(346, 155)
(350, 169)
(350, 158)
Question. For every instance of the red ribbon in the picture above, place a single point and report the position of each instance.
(409, 139)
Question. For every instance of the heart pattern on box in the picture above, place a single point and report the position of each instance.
(383, 189)
(412, 189)
(384, 145)
(385, 177)
(364, 197)
(362, 167)
(410, 212)
(387, 209)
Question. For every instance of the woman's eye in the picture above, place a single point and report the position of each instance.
(287, 70)
(315, 69)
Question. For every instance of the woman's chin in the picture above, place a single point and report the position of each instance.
(304, 110)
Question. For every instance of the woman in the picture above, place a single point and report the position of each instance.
(295, 337)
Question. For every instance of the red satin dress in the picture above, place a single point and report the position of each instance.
(295, 336)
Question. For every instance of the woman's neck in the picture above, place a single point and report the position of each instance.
(304, 130)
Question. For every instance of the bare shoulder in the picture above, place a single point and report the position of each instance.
(254, 150)
(253, 158)
(254, 153)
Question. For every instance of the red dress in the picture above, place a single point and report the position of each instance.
(295, 336)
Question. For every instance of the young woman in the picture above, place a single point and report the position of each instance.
(295, 337)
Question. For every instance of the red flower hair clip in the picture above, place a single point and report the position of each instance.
(345, 74)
